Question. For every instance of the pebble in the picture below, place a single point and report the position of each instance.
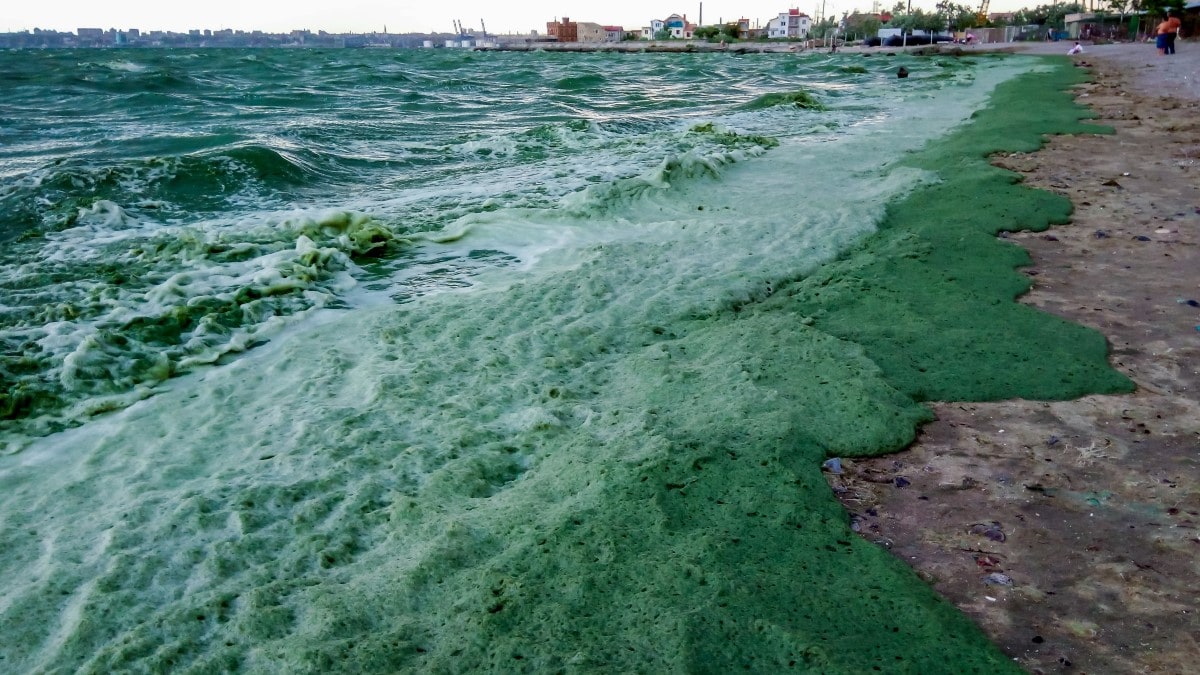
(990, 530)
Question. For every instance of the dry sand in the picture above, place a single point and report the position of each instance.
(1071, 530)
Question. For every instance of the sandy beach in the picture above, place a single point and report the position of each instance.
(1068, 530)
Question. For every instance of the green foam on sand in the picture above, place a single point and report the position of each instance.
(721, 548)
(712, 543)
(930, 298)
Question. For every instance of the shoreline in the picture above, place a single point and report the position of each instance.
(1068, 530)
(696, 46)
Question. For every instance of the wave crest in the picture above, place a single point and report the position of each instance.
(175, 298)
(799, 99)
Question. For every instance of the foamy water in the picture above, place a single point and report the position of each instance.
(337, 361)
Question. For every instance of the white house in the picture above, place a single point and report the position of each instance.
(648, 32)
(677, 25)
(790, 24)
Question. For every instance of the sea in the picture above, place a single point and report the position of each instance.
(423, 360)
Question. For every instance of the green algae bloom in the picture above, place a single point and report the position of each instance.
(799, 99)
(607, 462)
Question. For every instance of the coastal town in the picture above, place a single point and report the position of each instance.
(790, 24)
(1117, 20)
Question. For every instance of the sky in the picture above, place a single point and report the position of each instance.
(408, 16)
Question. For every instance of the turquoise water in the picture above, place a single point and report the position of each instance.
(385, 361)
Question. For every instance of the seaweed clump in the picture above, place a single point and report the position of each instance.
(799, 99)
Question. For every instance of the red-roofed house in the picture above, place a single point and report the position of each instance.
(790, 24)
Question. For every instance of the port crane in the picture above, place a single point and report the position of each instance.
(463, 31)
(981, 16)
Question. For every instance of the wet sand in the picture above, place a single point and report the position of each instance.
(1071, 530)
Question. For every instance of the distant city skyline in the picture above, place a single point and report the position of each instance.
(365, 16)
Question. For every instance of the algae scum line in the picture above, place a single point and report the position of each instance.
(363, 362)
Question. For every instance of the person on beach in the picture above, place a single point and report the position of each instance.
(1172, 30)
(1077, 49)
(1165, 38)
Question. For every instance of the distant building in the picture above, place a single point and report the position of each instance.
(589, 32)
(743, 29)
(790, 24)
(614, 33)
(38, 39)
(651, 31)
(563, 31)
(680, 27)
(136, 38)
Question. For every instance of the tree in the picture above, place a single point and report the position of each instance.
(865, 25)
(824, 28)
(727, 31)
(959, 16)
(1158, 8)
(1052, 15)
(931, 22)
(1119, 6)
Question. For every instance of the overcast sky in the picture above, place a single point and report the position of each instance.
(405, 16)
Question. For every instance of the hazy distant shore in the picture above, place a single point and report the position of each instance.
(735, 48)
